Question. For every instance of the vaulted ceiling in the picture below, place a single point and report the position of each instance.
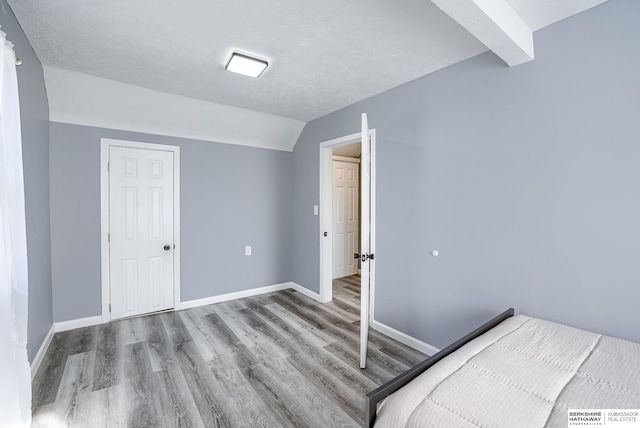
(165, 59)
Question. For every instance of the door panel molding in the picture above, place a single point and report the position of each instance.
(105, 145)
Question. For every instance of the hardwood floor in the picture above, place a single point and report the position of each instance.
(279, 359)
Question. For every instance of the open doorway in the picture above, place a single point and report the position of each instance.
(346, 210)
(330, 231)
(345, 269)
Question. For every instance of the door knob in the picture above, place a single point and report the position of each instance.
(167, 247)
(326, 234)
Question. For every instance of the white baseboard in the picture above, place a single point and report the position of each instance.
(78, 323)
(376, 325)
(35, 364)
(232, 296)
(315, 296)
(401, 337)
(89, 321)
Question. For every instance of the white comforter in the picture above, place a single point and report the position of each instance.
(525, 372)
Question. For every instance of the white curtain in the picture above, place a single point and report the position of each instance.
(15, 373)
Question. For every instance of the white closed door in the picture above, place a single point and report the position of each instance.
(346, 195)
(141, 247)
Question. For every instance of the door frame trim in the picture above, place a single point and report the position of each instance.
(326, 216)
(105, 145)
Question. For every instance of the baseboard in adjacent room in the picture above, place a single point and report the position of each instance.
(35, 364)
(401, 337)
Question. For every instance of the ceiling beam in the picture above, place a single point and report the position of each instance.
(495, 24)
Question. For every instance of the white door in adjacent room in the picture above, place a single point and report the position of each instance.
(141, 231)
(346, 198)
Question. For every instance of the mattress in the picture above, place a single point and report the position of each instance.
(525, 372)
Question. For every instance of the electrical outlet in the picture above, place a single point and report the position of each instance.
(247, 250)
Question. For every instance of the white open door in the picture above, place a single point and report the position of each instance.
(366, 254)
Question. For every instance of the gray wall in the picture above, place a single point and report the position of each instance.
(34, 112)
(526, 179)
(231, 196)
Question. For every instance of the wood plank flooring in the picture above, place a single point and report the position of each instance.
(275, 360)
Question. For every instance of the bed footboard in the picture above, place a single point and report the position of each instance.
(382, 392)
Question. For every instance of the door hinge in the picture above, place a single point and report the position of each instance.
(109, 307)
(108, 166)
(108, 237)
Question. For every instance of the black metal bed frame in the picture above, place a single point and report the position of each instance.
(382, 392)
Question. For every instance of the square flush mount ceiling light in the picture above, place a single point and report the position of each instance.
(245, 64)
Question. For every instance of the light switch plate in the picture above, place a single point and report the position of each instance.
(247, 250)
(315, 210)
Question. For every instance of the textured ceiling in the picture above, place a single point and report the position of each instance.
(323, 54)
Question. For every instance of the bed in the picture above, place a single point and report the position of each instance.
(512, 371)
